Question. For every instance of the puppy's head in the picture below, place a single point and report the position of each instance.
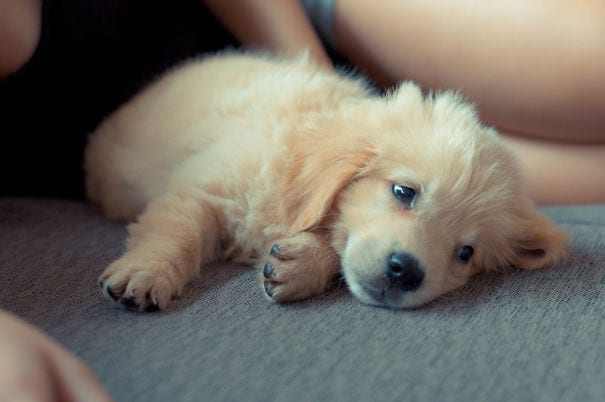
(424, 198)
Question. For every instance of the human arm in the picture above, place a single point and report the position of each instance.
(280, 26)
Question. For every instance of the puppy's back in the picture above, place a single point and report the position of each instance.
(133, 153)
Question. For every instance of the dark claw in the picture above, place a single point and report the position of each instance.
(274, 250)
(268, 289)
(101, 283)
(152, 307)
(268, 271)
(112, 292)
(130, 302)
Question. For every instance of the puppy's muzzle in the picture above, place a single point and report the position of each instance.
(404, 272)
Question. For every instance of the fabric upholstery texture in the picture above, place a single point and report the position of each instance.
(522, 336)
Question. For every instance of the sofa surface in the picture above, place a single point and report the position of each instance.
(522, 336)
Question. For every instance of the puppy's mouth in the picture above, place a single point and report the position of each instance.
(386, 296)
(380, 291)
(397, 283)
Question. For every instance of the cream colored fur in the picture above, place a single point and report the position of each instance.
(279, 164)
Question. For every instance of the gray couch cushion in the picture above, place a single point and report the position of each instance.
(535, 336)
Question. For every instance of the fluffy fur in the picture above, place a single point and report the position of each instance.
(277, 163)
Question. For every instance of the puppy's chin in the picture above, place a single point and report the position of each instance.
(383, 295)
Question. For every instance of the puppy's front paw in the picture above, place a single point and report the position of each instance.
(297, 268)
(141, 285)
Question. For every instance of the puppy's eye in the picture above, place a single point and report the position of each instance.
(465, 253)
(404, 194)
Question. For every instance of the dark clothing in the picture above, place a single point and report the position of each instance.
(92, 56)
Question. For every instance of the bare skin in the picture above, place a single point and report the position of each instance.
(19, 33)
(561, 173)
(544, 85)
(35, 368)
(543, 89)
(534, 67)
(277, 25)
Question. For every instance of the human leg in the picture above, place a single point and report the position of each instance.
(534, 68)
(561, 173)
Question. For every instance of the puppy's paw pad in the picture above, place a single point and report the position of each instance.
(111, 292)
(298, 246)
(151, 308)
(139, 289)
(269, 289)
(133, 303)
(293, 268)
(287, 292)
(130, 302)
(268, 271)
(274, 250)
(285, 281)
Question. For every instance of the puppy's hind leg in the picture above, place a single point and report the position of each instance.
(173, 236)
(299, 267)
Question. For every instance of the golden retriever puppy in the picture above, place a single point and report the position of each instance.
(304, 173)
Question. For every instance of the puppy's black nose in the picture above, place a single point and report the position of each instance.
(404, 271)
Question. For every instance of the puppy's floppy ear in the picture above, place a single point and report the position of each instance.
(318, 170)
(539, 242)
